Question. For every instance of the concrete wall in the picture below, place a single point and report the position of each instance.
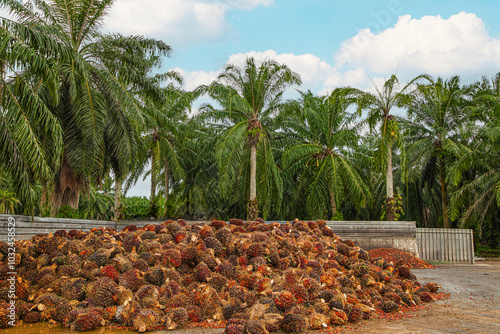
(378, 234)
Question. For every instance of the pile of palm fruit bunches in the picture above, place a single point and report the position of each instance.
(251, 276)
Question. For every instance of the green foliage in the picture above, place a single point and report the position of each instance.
(67, 212)
(135, 207)
(8, 202)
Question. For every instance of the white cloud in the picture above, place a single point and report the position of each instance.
(458, 45)
(179, 22)
(316, 74)
(193, 79)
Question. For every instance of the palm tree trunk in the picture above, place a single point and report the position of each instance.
(444, 193)
(152, 196)
(66, 189)
(43, 200)
(333, 204)
(389, 187)
(118, 195)
(167, 181)
(253, 209)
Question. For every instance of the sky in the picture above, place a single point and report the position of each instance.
(330, 43)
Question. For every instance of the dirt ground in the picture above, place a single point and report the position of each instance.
(473, 307)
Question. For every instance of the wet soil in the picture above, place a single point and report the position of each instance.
(473, 307)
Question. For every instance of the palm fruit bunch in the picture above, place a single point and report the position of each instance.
(257, 277)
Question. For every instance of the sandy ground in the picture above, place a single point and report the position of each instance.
(473, 307)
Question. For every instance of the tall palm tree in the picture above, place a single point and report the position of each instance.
(30, 135)
(167, 132)
(95, 79)
(478, 170)
(250, 97)
(434, 132)
(379, 107)
(329, 137)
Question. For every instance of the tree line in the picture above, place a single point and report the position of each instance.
(85, 115)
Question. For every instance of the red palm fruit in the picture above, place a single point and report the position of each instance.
(318, 321)
(237, 291)
(426, 297)
(403, 271)
(173, 275)
(300, 292)
(284, 263)
(202, 272)
(223, 235)
(217, 224)
(194, 313)
(111, 272)
(433, 287)
(237, 222)
(32, 317)
(146, 320)
(87, 321)
(234, 329)
(106, 292)
(129, 228)
(130, 241)
(337, 317)
(259, 237)
(206, 232)
(393, 296)
(285, 300)
(180, 236)
(353, 312)
(327, 232)
(155, 276)
(237, 229)
(74, 288)
(255, 327)
(217, 281)
(226, 269)
(171, 257)
(389, 306)
(131, 279)
(214, 244)
(293, 323)
(141, 264)
(264, 286)
(242, 261)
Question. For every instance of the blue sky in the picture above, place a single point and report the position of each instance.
(329, 43)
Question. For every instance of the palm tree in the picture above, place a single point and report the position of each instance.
(379, 107)
(478, 170)
(7, 201)
(168, 130)
(30, 134)
(95, 79)
(329, 137)
(435, 132)
(250, 97)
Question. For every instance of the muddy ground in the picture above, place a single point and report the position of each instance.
(473, 307)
